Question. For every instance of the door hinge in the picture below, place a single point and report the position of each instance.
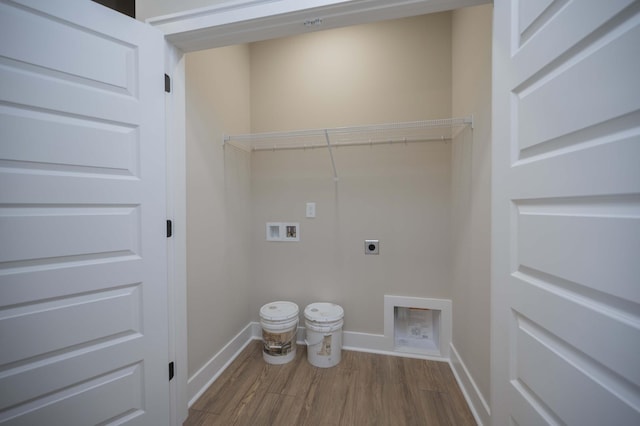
(167, 83)
(171, 370)
(169, 229)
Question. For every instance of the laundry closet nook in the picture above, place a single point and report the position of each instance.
(425, 199)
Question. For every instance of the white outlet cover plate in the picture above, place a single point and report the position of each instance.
(311, 210)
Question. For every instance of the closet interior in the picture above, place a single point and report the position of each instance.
(385, 128)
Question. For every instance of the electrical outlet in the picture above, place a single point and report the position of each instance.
(371, 247)
(311, 210)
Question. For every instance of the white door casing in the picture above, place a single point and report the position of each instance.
(566, 213)
(83, 282)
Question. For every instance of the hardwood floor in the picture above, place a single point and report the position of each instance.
(364, 389)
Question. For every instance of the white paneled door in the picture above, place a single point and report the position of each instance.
(83, 287)
(566, 228)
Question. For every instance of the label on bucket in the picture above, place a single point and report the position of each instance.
(325, 348)
(278, 344)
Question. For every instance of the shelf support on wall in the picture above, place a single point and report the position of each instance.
(333, 163)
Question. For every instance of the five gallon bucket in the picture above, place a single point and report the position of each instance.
(279, 321)
(323, 322)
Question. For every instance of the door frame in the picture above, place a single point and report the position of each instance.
(229, 23)
(175, 131)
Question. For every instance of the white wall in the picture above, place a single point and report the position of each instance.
(390, 71)
(471, 188)
(218, 200)
(151, 8)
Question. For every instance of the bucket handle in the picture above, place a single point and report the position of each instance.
(316, 343)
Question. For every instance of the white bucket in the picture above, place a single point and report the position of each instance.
(279, 321)
(323, 323)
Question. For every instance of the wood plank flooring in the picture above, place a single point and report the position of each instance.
(364, 389)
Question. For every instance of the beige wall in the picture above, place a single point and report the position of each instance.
(398, 70)
(391, 71)
(218, 200)
(399, 195)
(471, 190)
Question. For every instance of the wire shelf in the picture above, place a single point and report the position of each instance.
(413, 131)
(389, 133)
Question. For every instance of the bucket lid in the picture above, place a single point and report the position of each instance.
(279, 311)
(323, 312)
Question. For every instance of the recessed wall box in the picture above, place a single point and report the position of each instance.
(418, 325)
(283, 231)
(273, 231)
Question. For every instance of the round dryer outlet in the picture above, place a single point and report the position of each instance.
(371, 247)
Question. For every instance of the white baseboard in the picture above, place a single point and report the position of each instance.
(379, 344)
(353, 341)
(475, 400)
(364, 342)
(205, 376)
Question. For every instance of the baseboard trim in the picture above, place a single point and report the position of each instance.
(475, 400)
(205, 376)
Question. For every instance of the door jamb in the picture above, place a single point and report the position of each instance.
(175, 129)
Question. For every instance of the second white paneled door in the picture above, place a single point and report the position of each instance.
(566, 210)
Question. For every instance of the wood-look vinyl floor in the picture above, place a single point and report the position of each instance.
(364, 389)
